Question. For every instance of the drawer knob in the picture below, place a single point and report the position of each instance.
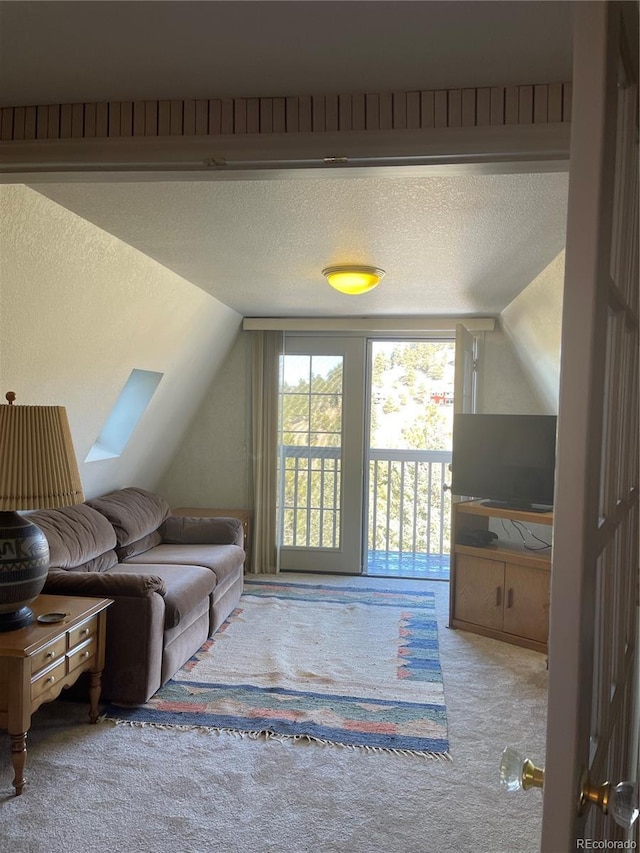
(84, 655)
(50, 655)
(50, 680)
(84, 632)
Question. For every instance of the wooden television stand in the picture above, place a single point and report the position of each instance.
(500, 590)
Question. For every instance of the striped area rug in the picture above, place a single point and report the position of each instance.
(344, 665)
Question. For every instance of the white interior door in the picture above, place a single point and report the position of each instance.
(321, 454)
(592, 722)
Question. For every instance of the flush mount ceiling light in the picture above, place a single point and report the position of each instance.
(353, 279)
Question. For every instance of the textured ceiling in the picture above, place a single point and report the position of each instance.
(460, 244)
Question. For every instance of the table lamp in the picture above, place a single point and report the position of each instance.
(38, 470)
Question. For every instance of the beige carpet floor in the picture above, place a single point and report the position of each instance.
(120, 789)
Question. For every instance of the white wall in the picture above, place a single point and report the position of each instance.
(533, 324)
(211, 466)
(80, 310)
(503, 386)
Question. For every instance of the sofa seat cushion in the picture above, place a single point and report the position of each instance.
(134, 513)
(187, 587)
(226, 561)
(79, 538)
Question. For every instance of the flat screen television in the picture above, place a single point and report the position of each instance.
(507, 460)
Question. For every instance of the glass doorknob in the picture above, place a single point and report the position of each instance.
(620, 801)
(623, 804)
(518, 773)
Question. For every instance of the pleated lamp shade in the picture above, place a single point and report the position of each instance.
(38, 470)
(38, 467)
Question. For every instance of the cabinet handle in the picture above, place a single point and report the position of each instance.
(84, 655)
(84, 632)
(498, 596)
(50, 655)
(510, 598)
(50, 680)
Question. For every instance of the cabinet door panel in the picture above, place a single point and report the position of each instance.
(479, 591)
(526, 604)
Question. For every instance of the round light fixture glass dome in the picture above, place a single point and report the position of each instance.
(352, 278)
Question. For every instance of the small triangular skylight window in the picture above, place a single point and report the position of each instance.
(125, 415)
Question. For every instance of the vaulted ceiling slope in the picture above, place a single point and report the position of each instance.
(80, 311)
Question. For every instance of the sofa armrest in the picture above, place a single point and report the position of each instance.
(190, 530)
(135, 629)
(103, 584)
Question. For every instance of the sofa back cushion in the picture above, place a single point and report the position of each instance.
(136, 515)
(146, 543)
(80, 539)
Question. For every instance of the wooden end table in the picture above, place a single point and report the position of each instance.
(36, 662)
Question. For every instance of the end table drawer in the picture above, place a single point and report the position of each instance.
(49, 677)
(82, 654)
(49, 654)
(82, 632)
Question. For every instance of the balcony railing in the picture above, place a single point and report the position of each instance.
(409, 510)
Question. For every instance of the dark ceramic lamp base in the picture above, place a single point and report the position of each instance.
(24, 560)
(18, 619)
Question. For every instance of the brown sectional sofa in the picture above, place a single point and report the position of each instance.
(173, 581)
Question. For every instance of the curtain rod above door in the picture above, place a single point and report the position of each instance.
(368, 324)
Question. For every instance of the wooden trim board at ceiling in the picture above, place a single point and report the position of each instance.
(545, 103)
(368, 324)
(482, 150)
